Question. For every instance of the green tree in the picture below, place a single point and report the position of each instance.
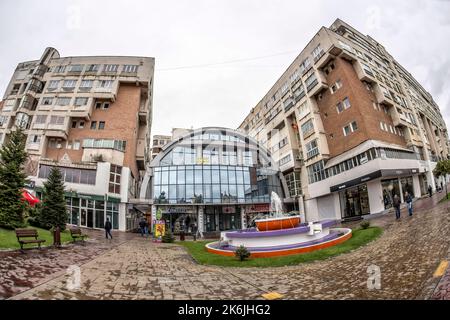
(442, 170)
(12, 181)
(53, 212)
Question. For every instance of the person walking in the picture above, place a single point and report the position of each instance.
(409, 201)
(142, 227)
(146, 228)
(396, 204)
(108, 227)
(430, 190)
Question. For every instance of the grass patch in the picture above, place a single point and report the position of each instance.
(444, 199)
(360, 237)
(8, 239)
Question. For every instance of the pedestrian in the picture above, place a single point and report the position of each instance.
(142, 226)
(146, 228)
(108, 227)
(397, 206)
(430, 190)
(409, 201)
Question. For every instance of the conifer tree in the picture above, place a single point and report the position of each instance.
(12, 181)
(53, 212)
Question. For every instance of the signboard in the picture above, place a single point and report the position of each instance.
(159, 227)
(229, 209)
(258, 208)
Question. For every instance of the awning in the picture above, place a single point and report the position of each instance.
(28, 197)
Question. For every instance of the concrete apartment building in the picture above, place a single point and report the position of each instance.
(158, 142)
(350, 127)
(90, 117)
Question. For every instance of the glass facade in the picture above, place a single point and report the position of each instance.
(92, 213)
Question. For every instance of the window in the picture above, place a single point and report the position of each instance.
(106, 105)
(307, 127)
(111, 67)
(76, 68)
(53, 84)
(317, 53)
(34, 138)
(3, 120)
(86, 84)
(304, 66)
(81, 124)
(55, 143)
(93, 125)
(283, 142)
(9, 105)
(106, 83)
(81, 101)
(71, 175)
(316, 172)
(346, 103)
(114, 179)
(46, 101)
(57, 120)
(59, 69)
(311, 81)
(335, 87)
(295, 76)
(76, 145)
(284, 88)
(101, 125)
(74, 124)
(69, 84)
(285, 160)
(354, 126)
(63, 101)
(130, 68)
(312, 149)
(40, 119)
(98, 105)
(92, 68)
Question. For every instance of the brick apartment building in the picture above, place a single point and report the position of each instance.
(90, 117)
(350, 127)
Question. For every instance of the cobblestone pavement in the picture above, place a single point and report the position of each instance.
(22, 271)
(407, 254)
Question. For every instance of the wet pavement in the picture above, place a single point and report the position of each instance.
(407, 255)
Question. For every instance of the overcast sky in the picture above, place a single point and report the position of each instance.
(266, 35)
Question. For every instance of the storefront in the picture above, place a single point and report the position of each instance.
(354, 201)
(214, 178)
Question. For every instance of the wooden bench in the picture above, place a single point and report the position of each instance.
(28, 233)
(76, 234)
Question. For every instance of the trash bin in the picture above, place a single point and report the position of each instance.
(57, 237)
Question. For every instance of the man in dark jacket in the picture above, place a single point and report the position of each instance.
(396, 204)
(108, 227)
(142, 226)
(430, 190)
(409, 200)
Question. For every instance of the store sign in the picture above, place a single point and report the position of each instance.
(230, 209)
(258, 208)
(159, 230)
(178, 210)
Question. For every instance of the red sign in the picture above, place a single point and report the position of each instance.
(257, 208)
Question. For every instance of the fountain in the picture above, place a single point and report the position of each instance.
(280, 235)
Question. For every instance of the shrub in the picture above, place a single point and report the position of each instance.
(242, 253)
(168, 237)
(365, 224)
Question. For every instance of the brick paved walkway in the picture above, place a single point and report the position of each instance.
(408, 254)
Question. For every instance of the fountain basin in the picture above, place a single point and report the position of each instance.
(277, 223)
(273, 243)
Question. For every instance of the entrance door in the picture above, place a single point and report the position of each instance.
(90, 218)
(355, 202)
(83, 219)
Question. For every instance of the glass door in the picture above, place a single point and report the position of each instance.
(90, 218)
(83, 219)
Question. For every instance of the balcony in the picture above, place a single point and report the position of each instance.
(347, 52)
(315, 83)
(322, 60)
(364, 73)
(108, 93)
(143, 113)
(140, 154)
(58, 130)
(399, 119)
(288, 104)
(33, 146)
(383, 96)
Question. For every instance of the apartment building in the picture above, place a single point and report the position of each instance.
(158, 142)
(350, 127)
(91, 118)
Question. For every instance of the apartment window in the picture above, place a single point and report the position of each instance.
(329, 68)
(53, 84)
(40, 119)
(69, 84)
(295, 76)
(317, 172)
(106, 83)
(58, 120)
(59, 69)
(283, 142)
(92, 68)
(307, 127)
(74, 124)
(346, 103)
(106, 105)
(311, 81)
(86, 84)
(130, 68)
(76, 68)
(9, 105)
(284, 88)
(111, 67)
(81, 124)
(55, 143)
(76, 145)
(352, 127)
(101, 125)
(336, 86)
(312, 149)
(63, 101)
(285, 160)
(3, 120)
(102, 105)
(47, 101)
(71, 175)
(304, 66)
(93, 125)
(34, 138)
(317, 53)
(98, 105)
(81, 101)
(114, 179)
